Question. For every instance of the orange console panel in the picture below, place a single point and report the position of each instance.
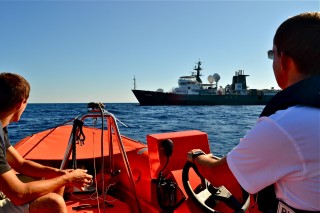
(183, 142)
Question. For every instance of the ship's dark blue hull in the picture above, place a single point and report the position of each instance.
(160, 98)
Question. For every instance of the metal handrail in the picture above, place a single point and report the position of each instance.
(111, 125)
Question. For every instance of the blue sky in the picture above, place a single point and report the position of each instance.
(82, 51)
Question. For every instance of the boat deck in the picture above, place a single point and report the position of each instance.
(87, 203)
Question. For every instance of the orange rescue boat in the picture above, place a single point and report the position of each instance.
(130, 176)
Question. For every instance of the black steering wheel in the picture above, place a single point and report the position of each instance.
(207, 196)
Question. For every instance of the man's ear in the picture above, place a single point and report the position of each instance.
(286, 62)
(19, 105)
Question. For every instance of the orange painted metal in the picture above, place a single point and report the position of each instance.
(183, 142)
(146, 160)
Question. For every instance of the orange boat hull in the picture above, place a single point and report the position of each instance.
(146, 161)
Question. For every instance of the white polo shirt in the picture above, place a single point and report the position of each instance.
(283, 148)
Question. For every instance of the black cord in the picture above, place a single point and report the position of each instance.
(164, 166)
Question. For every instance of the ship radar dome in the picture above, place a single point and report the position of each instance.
(210, 79)
(216, 77)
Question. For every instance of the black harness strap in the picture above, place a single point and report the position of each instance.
(305, 92)
(2, 140)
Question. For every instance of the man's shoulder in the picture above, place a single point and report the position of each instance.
(296, 111)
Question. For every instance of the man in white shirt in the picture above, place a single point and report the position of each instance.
(279, 158)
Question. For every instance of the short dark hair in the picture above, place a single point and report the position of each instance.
(299, 38)
(13, 89)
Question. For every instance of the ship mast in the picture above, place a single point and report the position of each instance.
(134, 82)
(198, 69)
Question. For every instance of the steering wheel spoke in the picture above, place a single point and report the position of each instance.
(204, 195)
(207, 196)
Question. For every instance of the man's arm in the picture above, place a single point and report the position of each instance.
(20, 193)
(30, 168)
(217, 172)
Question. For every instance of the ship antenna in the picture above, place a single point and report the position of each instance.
(198, 69)
(134, 82)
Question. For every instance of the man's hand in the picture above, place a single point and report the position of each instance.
(79, 178)
(193, 154)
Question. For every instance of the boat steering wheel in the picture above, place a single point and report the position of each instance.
(206, 195)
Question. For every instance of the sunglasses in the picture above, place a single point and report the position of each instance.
(271, 54)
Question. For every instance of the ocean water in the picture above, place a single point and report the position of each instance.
(225, 125)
